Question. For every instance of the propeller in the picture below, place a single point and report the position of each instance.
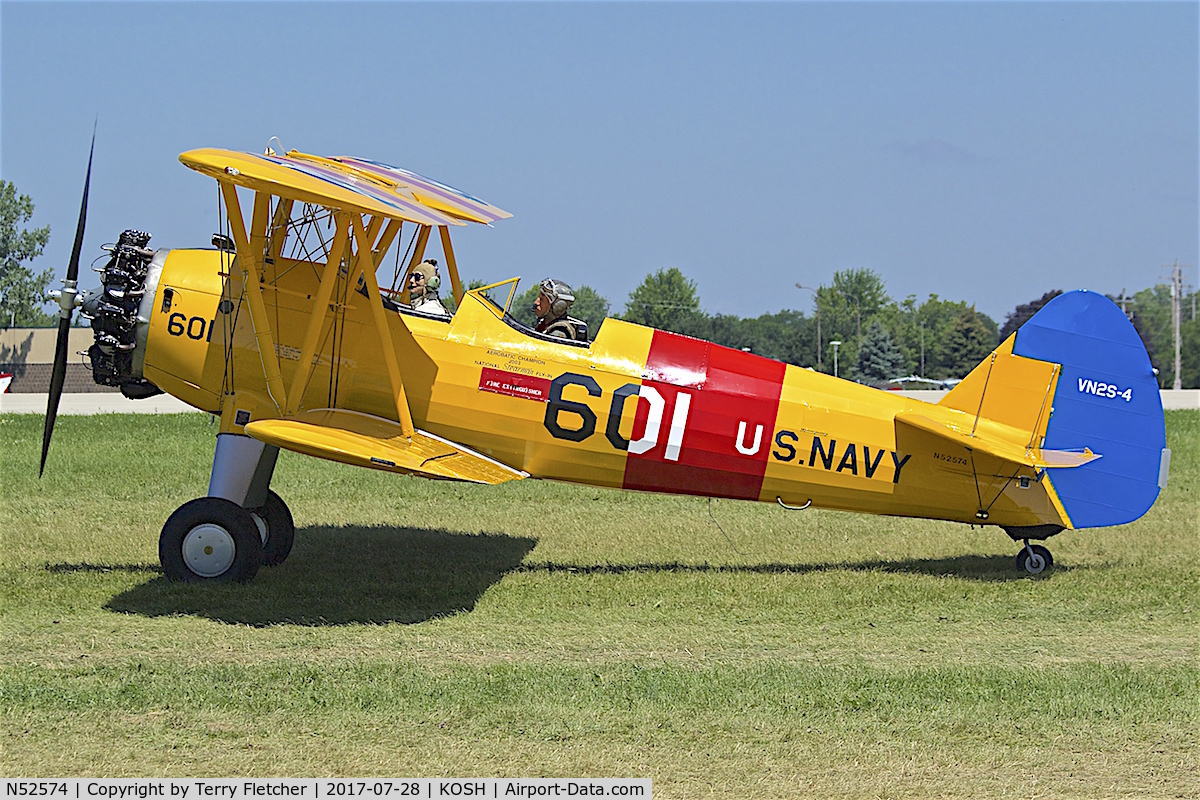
(66, 305)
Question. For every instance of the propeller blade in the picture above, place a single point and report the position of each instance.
(66, 311)
(73, 265)
(56, 385)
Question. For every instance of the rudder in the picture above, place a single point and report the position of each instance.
(1106, 398)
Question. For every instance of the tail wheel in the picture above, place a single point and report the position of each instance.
(280, 529)
(210, 539)
(1034, 559)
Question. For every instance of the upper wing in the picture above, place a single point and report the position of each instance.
(310, 181)
(351, 437)
(426, 191)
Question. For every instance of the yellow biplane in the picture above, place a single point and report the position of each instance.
(283, 331)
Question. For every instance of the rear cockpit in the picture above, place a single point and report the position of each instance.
(500, 297)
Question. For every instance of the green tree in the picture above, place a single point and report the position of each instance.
(971, 340)
(667, 300)
(864, 291)
(926, 335)
(787, 336)
(22, 291)
(1150, 313)
(1021, 314)
(847, 308)
(591, 307)
(879, 358)
(1189, 334)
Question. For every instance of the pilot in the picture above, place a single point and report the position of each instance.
(423, 283)
(551, 306)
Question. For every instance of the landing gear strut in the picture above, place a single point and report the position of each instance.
(239, 527)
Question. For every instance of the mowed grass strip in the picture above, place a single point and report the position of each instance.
(425, 628)
(789, 726)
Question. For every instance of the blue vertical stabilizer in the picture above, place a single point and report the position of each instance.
(1107, 398)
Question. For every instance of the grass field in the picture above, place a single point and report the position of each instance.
(536, 629)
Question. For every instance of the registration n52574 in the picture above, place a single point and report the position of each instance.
(35, 789)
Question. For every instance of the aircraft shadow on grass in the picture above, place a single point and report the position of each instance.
(378, 575)
(971, 567)
(344, 575)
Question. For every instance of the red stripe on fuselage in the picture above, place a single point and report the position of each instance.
(733, 400)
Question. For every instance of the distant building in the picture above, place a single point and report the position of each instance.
(28, 353)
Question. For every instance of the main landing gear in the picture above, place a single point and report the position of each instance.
(1034, 559)
(239, 527)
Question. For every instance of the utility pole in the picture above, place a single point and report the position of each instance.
(1176, 316)
(857, 318)
(922, 348)
(817, 299)
(835, 347)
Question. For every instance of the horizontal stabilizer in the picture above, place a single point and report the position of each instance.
(363, 440)
(1004, 450)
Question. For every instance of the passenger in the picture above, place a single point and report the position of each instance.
(423, 283)
(551, 307)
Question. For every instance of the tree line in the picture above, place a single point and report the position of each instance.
(878, 338)
(881, 338)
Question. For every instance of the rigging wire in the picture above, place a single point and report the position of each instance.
(722, 530)
(412, 240)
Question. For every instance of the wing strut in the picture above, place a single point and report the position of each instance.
(983, 393)
(279, 228)
(384, 243)
(451, 264)
(249, 260)
(316, 321)
(367, 262)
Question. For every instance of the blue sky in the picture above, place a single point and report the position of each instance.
(984, 152)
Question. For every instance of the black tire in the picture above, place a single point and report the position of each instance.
(1039, 563)
(281, 530)
(210, 540)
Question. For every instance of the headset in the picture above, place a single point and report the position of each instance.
(432, 282)
(560, 296)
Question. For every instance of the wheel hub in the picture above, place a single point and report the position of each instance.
(261, 525)
(208, 550)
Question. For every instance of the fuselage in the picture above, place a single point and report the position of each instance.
(636, 408)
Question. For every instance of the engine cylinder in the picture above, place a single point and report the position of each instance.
(113, 311)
